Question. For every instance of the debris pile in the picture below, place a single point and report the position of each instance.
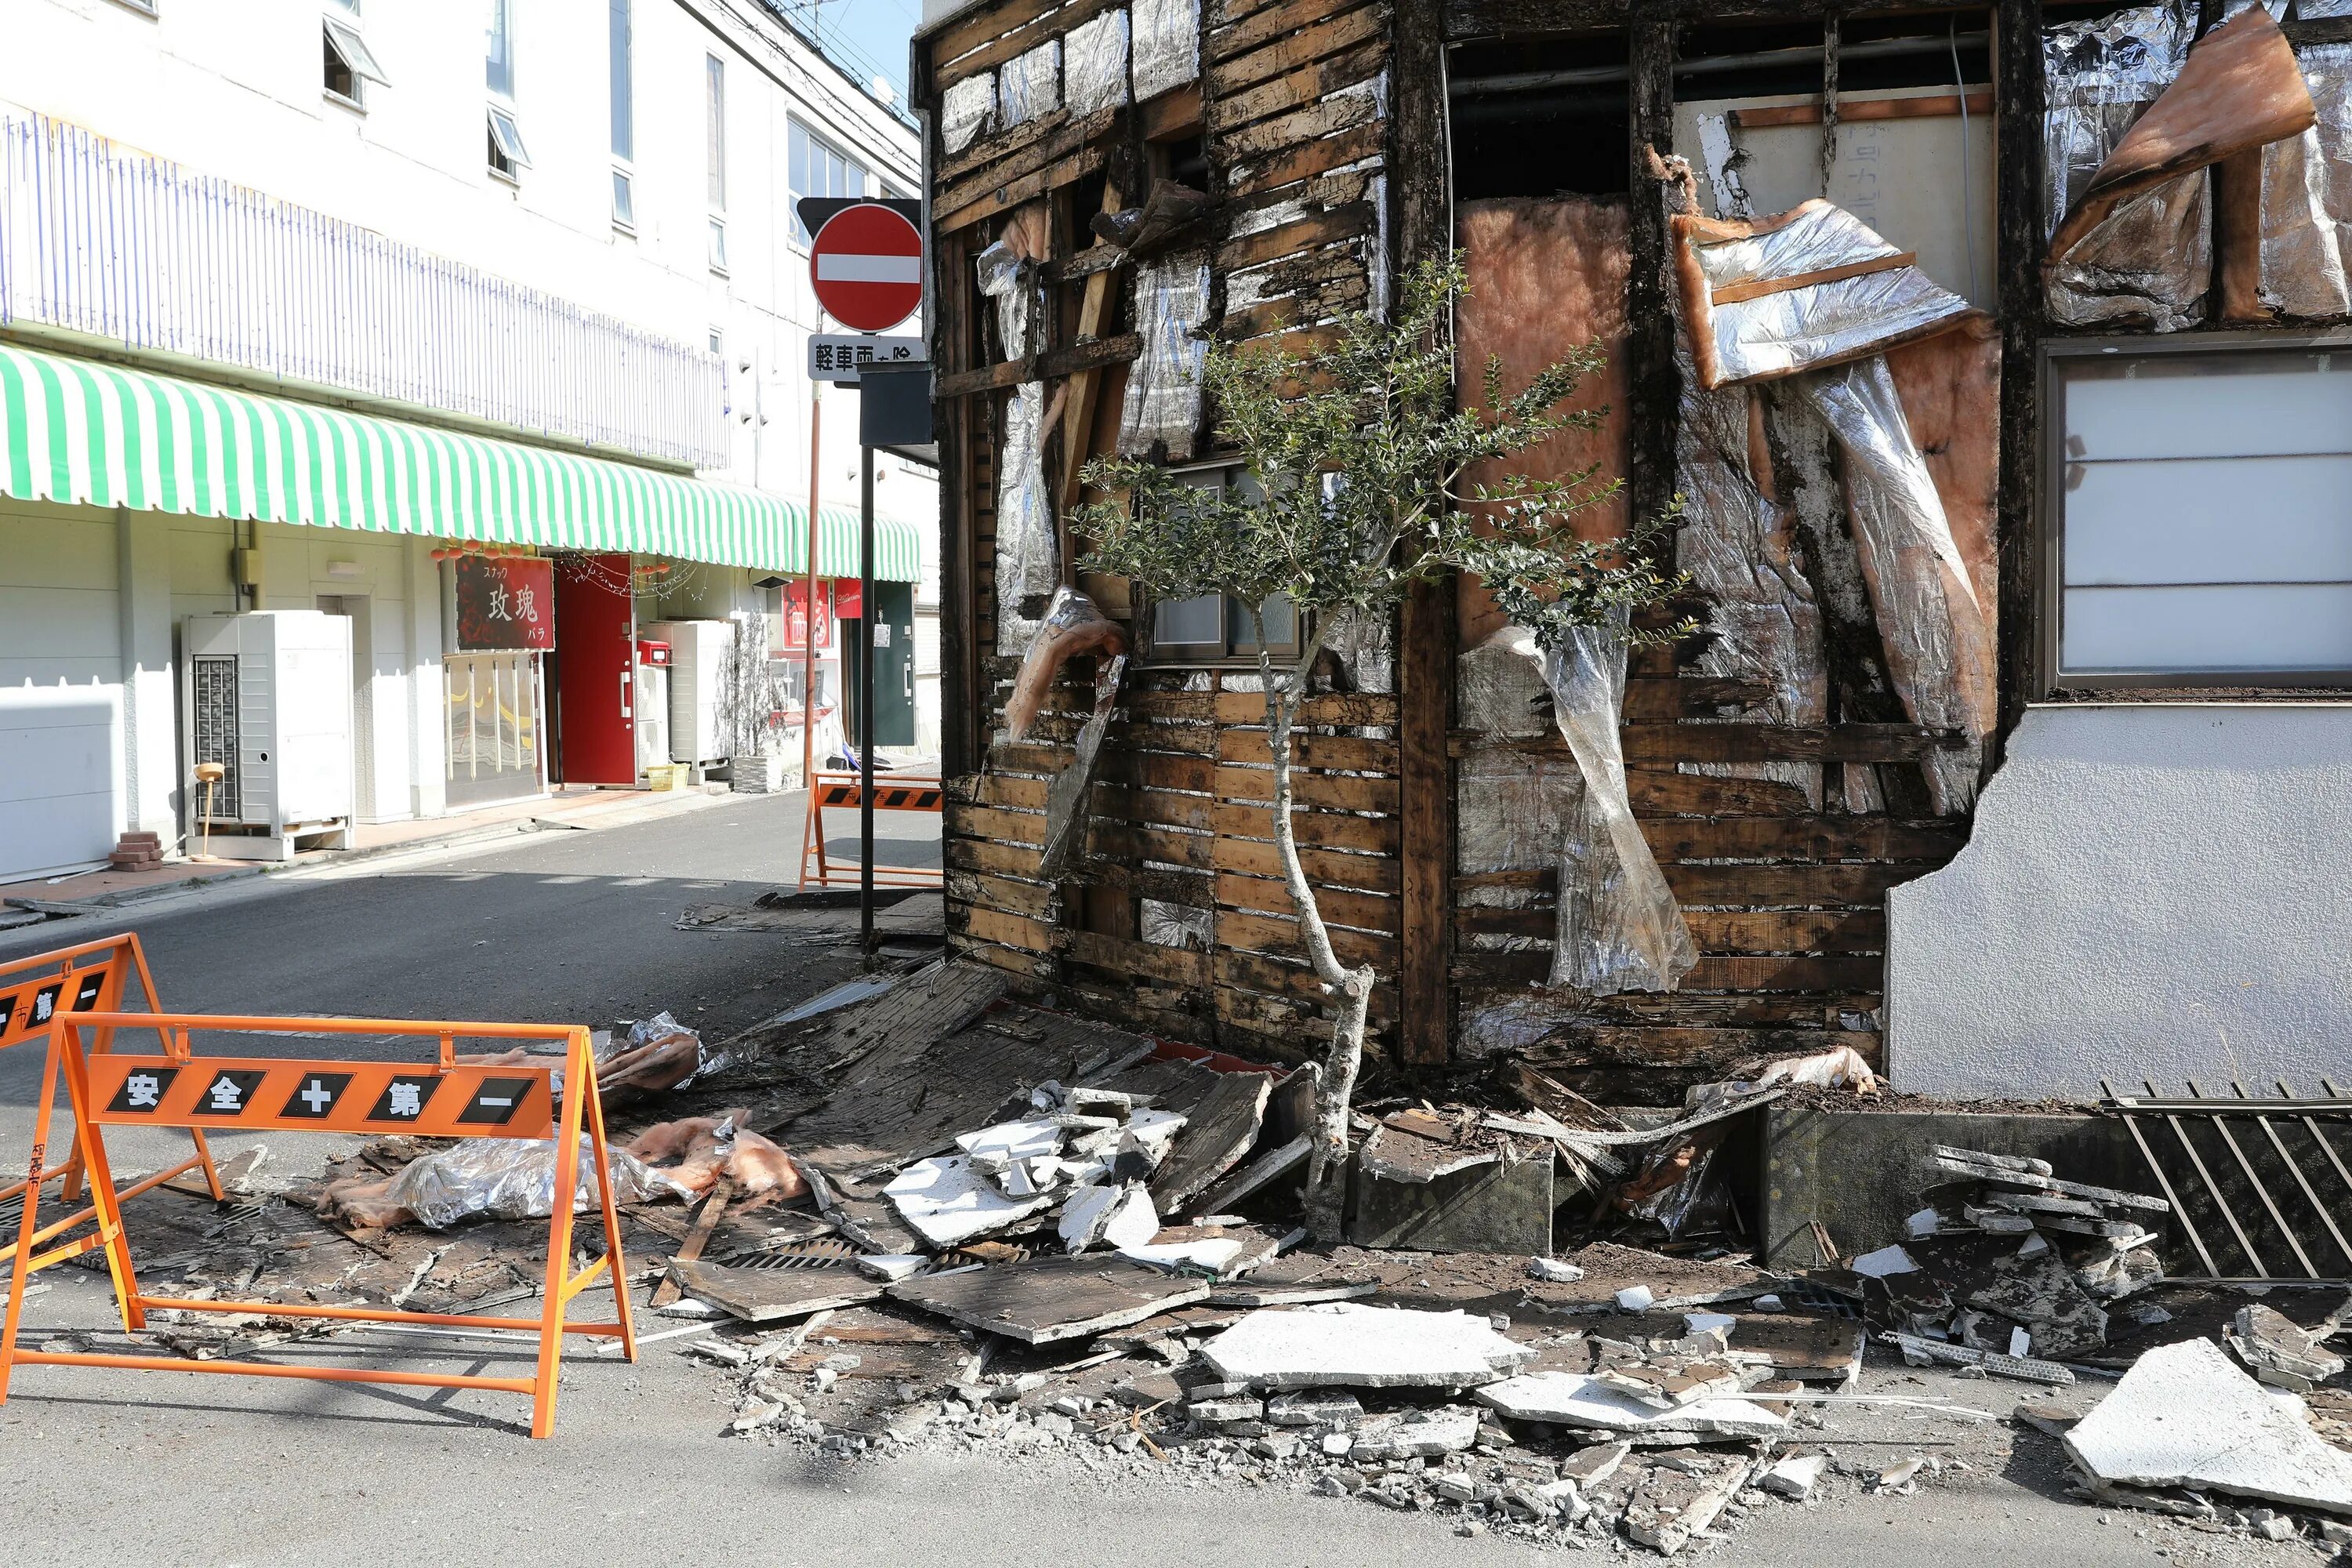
(2010, 1269)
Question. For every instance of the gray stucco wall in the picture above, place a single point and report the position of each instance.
(2151, 891)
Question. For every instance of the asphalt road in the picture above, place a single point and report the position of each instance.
(106, 1467)
(561, 926)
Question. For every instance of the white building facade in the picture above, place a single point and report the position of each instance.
(441, 281)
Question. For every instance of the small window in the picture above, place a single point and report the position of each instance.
(624, 202)
(349, 62)
(499, 49)
(717, 340)
(1213, 625)
(718, 244)
(714, 131)
(145, 8)
(624, 118)
(2204, 517)
(507, 154)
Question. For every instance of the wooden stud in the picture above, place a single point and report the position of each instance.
(2018, 246)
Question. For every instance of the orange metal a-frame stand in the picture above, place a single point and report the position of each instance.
(443, 1099)
(892, 792)
(87, 977)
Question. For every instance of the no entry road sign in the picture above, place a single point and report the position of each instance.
(867, 264)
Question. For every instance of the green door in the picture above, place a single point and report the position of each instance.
(893, 642)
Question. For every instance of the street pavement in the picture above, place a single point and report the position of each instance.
(167, 1468)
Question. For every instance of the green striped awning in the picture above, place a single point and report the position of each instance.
(84, 433)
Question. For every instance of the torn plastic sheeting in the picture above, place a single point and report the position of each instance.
(1620, 928)
(1032, 83)
(1740, 548)
(1798, 325)
(1176, 925)
(1163, 384)
(2150, 261)
(1513, 809)
(514, 1178)
(1026, 568)
(1364, 642)
(1167, 45)
(1937, 635)
(968, 111)
(1499, 686)
(1066, 795)
(1094, 64)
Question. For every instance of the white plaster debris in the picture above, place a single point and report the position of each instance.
(1211, 1257)
(1315, 1407)
(1573, 1399)
(948, 1202)
(993, 1148)
(1107, 1217)
(1342, 1344)
(1886, 1261)
(2185, 1416)
(1706, 1323)
(890, 1265)
(1795, 1478)
(1635, 1299)
(1554, 1271)
(1926, 1222)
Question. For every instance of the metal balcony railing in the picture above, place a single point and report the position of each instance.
(100, 240)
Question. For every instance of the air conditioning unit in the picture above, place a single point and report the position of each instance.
(702, 660)
(267, 696)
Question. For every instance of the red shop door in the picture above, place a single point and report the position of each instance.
(595, 660)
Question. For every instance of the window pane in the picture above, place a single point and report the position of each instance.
(500, 71)
(624, 133)
(625, 205)
(2209, 629)
(1190, 623)
(716, 150)
(1281, 619)
(2210, 520)
(2208, 405)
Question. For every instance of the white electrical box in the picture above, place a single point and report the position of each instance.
(267, 694)
(651, 704)
(701, 664)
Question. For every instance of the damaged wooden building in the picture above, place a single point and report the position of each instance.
(1994, 356)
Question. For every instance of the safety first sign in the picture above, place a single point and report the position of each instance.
(259, 1093)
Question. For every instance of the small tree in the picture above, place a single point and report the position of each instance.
(1358, 452)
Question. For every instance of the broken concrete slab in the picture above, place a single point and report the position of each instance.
(774, 1295)
(946, 1201)
(2279, 1351)
(1675, 1506)
(1315, 1407)
(1574, 1399)
(1795, 1478)
(1346, 1345)
(2187, 1415)
(1594, 1464)
(1417, 1434)
(1048, 1300)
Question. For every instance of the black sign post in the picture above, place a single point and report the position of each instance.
(894, 410)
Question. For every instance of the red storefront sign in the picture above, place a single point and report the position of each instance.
(849, 599)
(505, 602)
(796, 613)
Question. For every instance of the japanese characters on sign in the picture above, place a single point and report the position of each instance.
(323, 1097)
(505, 602)
(792, 625)
(27, 1005)
(840, 358)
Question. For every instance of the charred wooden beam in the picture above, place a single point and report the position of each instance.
(2018, 245)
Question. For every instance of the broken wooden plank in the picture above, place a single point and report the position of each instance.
(1223, 1127)
(706, 1220)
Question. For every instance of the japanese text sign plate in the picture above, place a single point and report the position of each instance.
(26, 1006)
(266, 1092)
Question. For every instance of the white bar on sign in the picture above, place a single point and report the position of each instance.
(840, 267)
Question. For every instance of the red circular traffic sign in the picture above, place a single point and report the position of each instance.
(867, 264)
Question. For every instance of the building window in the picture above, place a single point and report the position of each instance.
(817, 169)
(499, 64)
(717, 243)
(145, 8)
(1214, 625)
(625, 204)
(349, 64)
(625, 120)
(2203, 512)
(507, 154)
(715, 130)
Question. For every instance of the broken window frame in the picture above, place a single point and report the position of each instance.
(2051, 509)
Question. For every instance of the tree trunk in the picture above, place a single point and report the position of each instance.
(1335, 1088)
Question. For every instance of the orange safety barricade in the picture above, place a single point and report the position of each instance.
(87, 977)
(443, 1099)
(892, 792)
